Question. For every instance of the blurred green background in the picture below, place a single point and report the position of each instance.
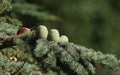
(91, 23)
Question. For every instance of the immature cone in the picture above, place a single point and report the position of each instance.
(55, 35)
(43, 31)
(63, 38)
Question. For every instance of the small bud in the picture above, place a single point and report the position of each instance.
(23, 31)
(55, 35)
(63, 38)
(14, 59)
(43, 31)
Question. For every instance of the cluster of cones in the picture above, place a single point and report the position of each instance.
(54, 34)
(43, 33)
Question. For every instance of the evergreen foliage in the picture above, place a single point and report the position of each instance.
(32, 55)
(48, 57)
(8, 27)
(5, 5)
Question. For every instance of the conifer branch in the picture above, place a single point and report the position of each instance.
(37, 55)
